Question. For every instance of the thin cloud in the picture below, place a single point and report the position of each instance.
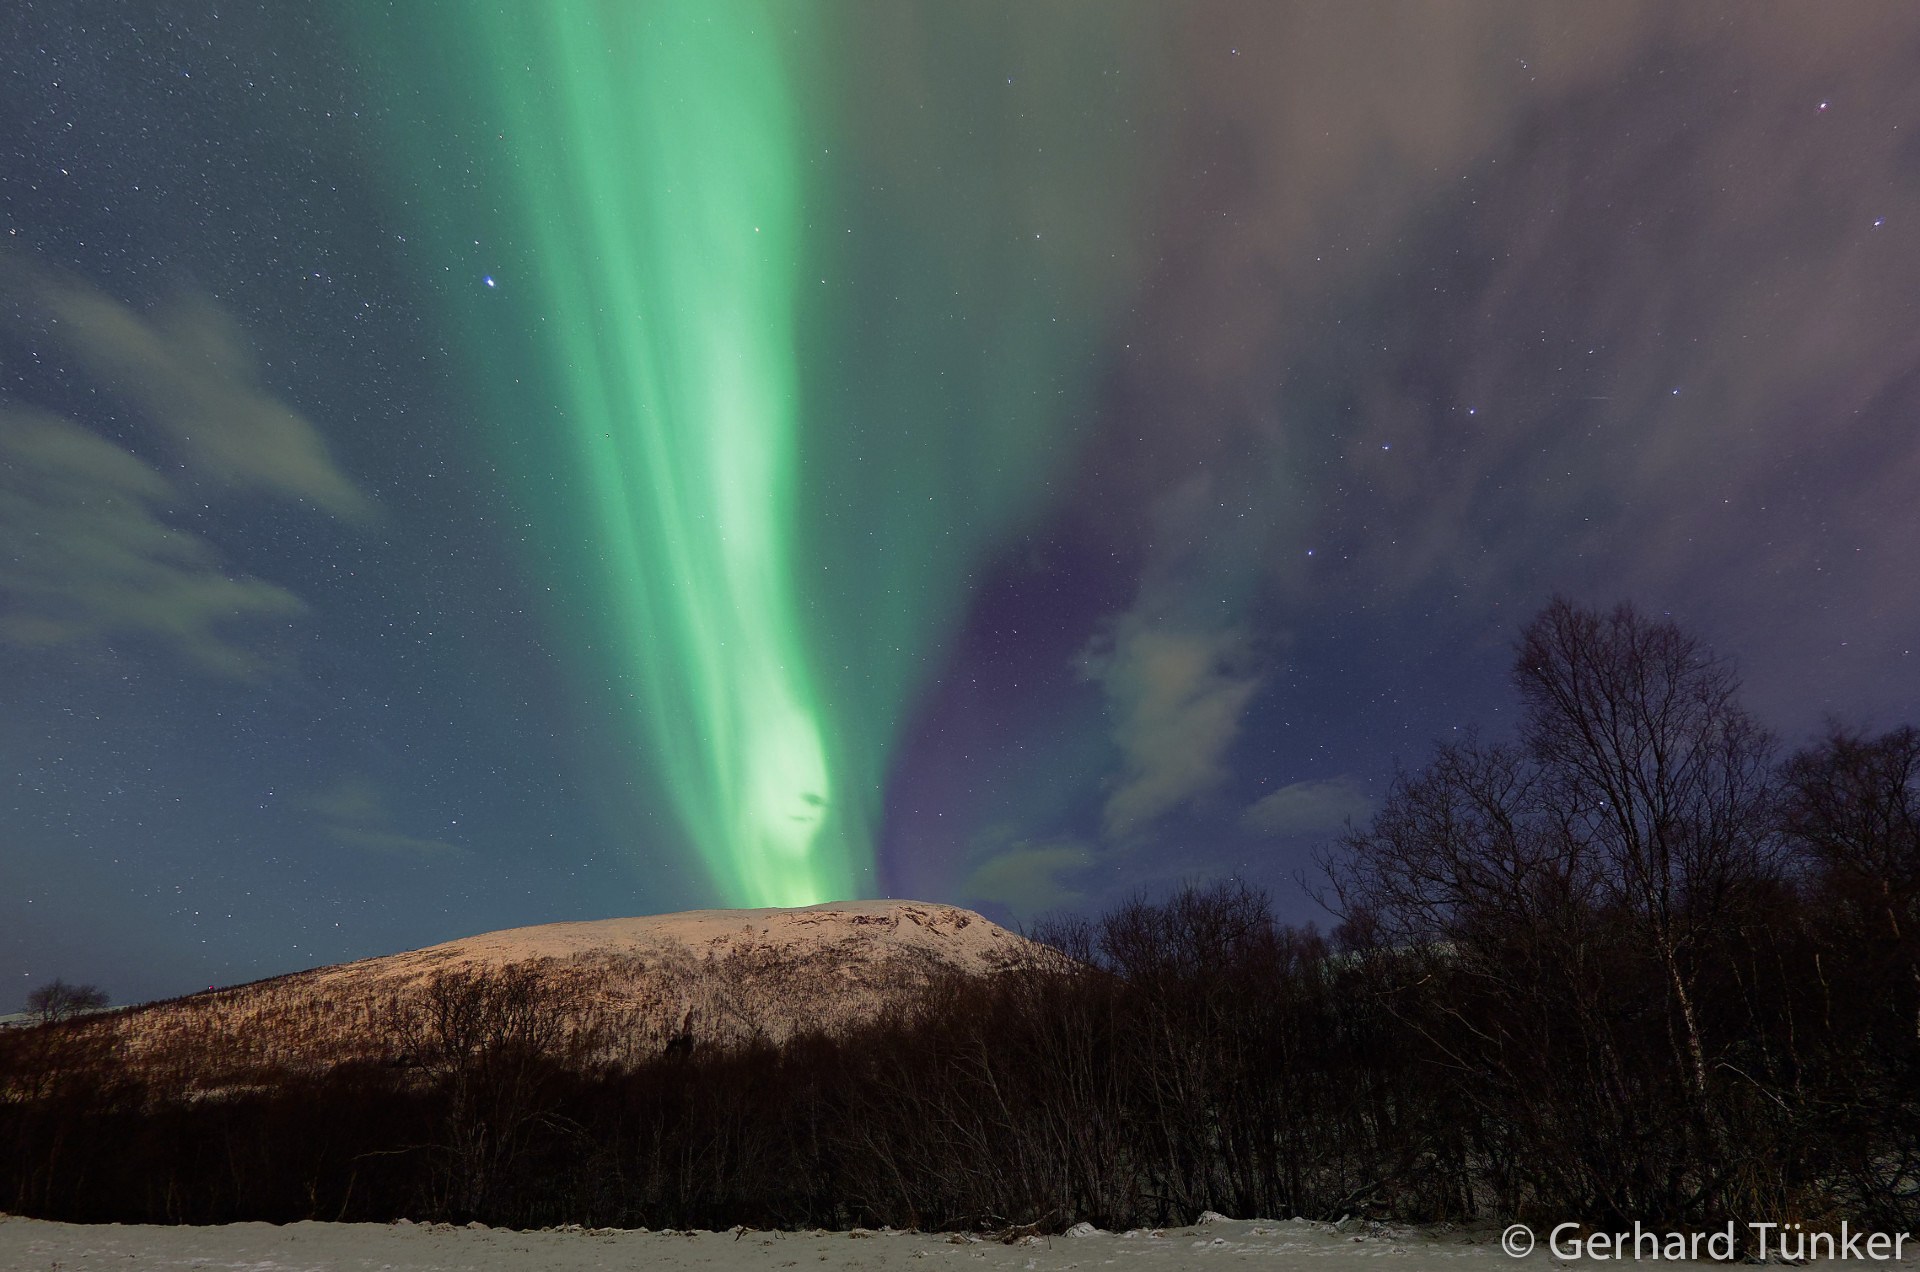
(1306, 808)
(1176, 695)
(188, 370)
(85, 556)
(93, 549)
(354, 813)
(1027, 878)
(1481, 302)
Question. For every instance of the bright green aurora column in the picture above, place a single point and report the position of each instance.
(652, 151)
(721, 344)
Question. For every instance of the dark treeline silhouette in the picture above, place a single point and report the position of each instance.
(1659, 975)
(1631, 965)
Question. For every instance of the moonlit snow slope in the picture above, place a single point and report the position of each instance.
(719, 977)
(847, 933)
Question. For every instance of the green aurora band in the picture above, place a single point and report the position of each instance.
(665, 214)
(650, 189)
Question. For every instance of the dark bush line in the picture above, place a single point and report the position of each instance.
(1628, 968)
(1045, 1095)
(1205, 1058)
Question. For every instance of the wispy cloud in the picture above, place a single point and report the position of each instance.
(85, 556)
(1176, 694)
(1306, 808)
(1026, 876)
(1406, 336)
(92, 551)
(354, 814)
(187, 368)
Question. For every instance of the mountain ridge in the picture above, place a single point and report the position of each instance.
(635, 986)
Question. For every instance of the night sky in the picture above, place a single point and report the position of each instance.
(465, 466)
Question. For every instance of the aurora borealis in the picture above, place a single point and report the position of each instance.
(465, 465)
(662, 211)
(665, 210)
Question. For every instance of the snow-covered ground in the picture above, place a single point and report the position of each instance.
(347, 1247)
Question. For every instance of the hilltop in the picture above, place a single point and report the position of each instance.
(714, 978)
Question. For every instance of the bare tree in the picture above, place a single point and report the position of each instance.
(1558, 908)
(494, 1042)
(1458, 845)
(1653, 768)
(1854, 803)
(58, 1000)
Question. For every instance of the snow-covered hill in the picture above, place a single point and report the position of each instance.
(705, 977)
(849, 935)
